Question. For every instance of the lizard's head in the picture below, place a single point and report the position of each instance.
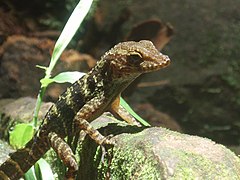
(134, 58)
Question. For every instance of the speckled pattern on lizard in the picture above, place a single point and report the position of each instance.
(85, 100)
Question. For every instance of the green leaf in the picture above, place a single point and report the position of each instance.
(69, 30)
(21, 134)
(130, 110)
(40, 171)
(70, 77)
(41, 67)
(30, 174)
(43, 170)
(46, 81)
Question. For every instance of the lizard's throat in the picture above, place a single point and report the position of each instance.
(124, 76)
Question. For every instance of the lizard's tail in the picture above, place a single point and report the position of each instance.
(22, 160)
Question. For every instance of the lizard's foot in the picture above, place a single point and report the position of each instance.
(104, 152)
(108, 141)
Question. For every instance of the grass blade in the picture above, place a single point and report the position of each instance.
(69, 30)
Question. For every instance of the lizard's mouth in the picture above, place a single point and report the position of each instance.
(154, 65)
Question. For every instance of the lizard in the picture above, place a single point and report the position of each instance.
(89, 97)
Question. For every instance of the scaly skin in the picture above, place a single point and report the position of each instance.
(89, 97)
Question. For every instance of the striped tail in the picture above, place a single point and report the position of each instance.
(23, 159)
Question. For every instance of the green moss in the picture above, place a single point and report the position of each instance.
(132, 164)
(194, 166)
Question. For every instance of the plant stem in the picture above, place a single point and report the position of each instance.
(68, 32)
(38, 105)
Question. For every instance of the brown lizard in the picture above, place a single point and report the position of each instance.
(89, 97)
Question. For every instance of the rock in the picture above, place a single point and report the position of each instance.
(158, 153)
(19, 56)
(18, 111)
(23, 108)
(177, 156)
(5, 149)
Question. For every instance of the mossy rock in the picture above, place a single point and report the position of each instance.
(158, 153)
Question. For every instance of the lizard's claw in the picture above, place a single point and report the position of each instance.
(108, 141)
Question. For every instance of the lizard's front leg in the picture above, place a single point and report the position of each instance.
(116, 108)
(90, 111)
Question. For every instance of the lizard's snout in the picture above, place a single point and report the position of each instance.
(156, 64)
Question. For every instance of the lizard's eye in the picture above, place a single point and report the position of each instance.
(134, 59)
